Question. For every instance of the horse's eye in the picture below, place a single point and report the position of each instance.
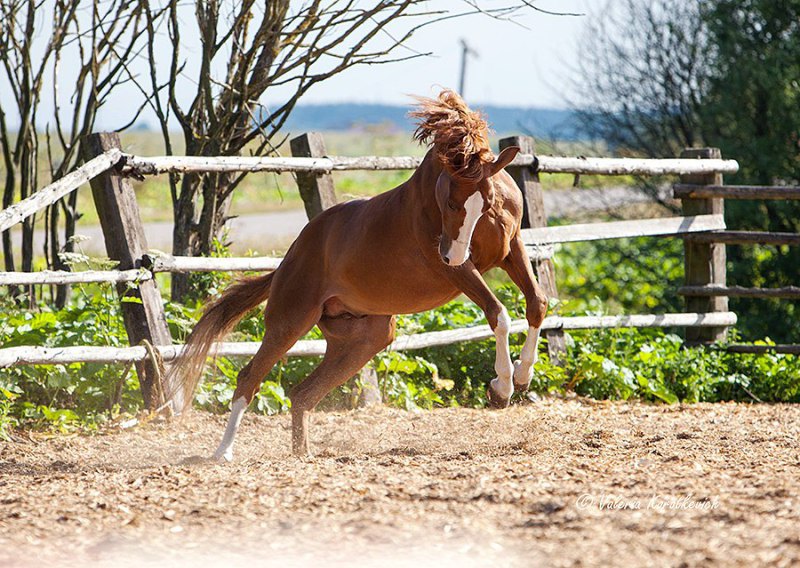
(451, 205)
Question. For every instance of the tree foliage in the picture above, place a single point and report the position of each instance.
(60, 61)
(662, 75)
(642, 76)
(752, 109)
(752, 106)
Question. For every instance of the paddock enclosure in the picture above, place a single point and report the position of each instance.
(561, 482)
(555, 481)
(108, 168)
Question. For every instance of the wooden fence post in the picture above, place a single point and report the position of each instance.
(527, 179)
(316, 190)
(318, 194)
(704, 262)
(142, 308)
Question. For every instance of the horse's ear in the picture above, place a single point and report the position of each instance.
(505, 158)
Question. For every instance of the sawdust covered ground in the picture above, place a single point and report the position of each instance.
(558, 482)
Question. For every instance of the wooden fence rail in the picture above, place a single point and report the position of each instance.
(81, 277)
(622, 229)
(786, 349)
(746, 238)
(683, 191)
(182, 264)
(152, 165)
(34, 355)
(785, 292)
(50, 194)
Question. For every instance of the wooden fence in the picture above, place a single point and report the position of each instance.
(108, 169)
(714, 292)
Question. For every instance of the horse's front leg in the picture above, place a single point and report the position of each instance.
(467, 278)
(518, 266)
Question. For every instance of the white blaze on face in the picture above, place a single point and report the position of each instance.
(459, 247)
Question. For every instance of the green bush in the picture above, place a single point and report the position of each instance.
(648, 364)
(638, 275)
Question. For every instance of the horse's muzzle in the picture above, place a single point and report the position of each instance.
(448, 255)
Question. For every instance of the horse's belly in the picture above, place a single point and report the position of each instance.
(396, 292)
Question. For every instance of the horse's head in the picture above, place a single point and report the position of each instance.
(462, 202)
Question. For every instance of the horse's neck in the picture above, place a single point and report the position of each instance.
(411, 206)
(422, 184)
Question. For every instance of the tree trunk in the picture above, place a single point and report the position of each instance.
(8, 245)
(70, 221)
(195, 230)
(184, 233)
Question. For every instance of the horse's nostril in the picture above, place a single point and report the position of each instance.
(446, 258)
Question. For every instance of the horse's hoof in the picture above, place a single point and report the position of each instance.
(522, 384)
(521, 389)
(495, 400)
(223, 458)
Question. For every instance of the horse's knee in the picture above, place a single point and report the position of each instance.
(536, 309)
(498, 318)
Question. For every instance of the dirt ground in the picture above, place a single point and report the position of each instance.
(556, 482)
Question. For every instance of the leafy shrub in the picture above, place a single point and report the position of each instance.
(638, 275)
(647, 364)
(48, 394)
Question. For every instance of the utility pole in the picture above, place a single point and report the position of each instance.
(466, 51)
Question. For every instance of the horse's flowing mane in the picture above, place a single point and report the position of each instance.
(460, 136)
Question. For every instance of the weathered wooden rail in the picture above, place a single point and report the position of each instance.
(757, 192)
(50, 194)
(153, 165)
(108, 169)
(784, 292)
(316, 348)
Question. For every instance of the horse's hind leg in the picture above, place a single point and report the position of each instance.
(283, 328)
(352, 342)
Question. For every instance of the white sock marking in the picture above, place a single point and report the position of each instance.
(459, 248)
(225, 450)
(523, 369)
(502, 385)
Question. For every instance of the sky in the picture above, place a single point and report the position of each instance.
(520, 63)
(526, 62)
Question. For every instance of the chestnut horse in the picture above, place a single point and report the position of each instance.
(356, 265)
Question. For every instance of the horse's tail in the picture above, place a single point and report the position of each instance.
(218, 319)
